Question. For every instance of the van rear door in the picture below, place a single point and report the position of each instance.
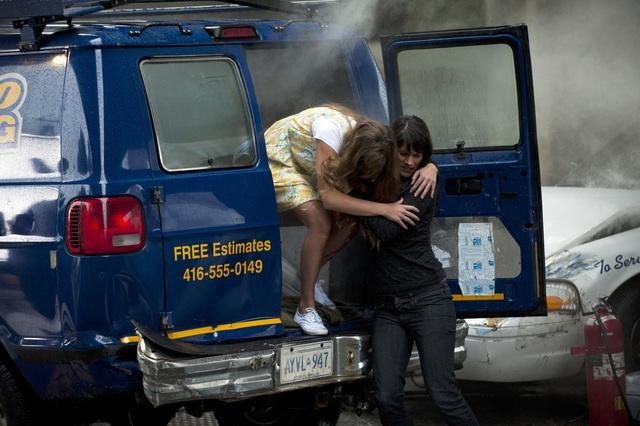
(474, 90)
(215, 196)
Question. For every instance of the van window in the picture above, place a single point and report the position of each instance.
(292, 78)
(200, 113)
(468, 93)
(30, 115)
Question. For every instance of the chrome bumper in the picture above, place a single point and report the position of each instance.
(239, 374)
(169, 378)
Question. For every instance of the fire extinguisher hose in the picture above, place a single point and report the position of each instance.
(603, 333)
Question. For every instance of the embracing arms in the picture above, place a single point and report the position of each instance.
(385, 229)
(423, 181)
(333, 199)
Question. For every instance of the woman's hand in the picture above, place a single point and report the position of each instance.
(423, 181)
(402, 214)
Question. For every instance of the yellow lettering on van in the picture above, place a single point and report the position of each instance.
(188, 252)
(10, 94)
(200, 251)
(8, 128)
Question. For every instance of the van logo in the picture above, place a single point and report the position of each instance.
(13, 90)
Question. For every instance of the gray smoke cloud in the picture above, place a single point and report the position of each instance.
(586, 57)
(586, 71)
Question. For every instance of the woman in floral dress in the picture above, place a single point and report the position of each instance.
(362, 156)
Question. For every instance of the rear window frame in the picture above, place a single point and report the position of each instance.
(241, 85)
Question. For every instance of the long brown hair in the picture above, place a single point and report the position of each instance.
(367, 165)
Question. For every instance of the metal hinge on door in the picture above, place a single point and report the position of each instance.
(166, 320)
(157, 195)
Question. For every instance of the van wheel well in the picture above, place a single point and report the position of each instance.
(625, 301)
(16, 406)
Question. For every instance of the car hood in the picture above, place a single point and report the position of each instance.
(571, 215)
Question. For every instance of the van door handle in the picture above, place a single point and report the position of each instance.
(464, 186)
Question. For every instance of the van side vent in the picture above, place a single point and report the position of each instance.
(74, 226)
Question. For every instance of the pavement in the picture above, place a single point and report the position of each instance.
(556, 402)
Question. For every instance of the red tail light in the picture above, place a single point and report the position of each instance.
(238, 32)
(229, 33)
(105, 225)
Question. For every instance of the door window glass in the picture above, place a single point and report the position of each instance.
(31, 93)
(200, 113)
(465, 93)
(445, 241)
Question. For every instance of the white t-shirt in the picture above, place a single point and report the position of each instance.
(328, 131)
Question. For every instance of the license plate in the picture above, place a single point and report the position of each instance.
(306, 361)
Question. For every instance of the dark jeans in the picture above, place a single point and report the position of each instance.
(429, 319)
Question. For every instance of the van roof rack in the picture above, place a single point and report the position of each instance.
(32, 16)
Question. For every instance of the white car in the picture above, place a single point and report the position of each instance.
(592, 248)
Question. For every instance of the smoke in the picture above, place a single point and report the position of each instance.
(589, 104)
(586, 62)
(361, 15)
(585, 56)
(375, 18)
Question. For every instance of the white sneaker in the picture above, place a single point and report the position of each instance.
(321, 297)
(310, 322)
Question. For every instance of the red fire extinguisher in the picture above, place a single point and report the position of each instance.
(604, 358)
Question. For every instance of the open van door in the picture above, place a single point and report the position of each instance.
(474, 90)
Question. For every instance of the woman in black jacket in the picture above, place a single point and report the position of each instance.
(413, 300)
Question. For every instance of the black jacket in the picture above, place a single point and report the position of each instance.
(405, 261)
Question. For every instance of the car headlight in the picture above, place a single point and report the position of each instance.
(562, 297)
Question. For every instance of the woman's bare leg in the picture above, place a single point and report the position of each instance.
(318, 223)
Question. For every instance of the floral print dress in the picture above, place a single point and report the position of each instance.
(291, 149)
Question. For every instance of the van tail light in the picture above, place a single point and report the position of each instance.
(105, 225)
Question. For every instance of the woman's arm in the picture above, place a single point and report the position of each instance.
(333, 199)
(386, 230)
(423, 181)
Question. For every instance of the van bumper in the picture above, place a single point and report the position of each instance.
(237, 372)
(170, 378)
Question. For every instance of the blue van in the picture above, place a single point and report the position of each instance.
(141, 252)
